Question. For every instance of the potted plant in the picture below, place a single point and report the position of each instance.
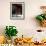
(10, 31)
(42, 17)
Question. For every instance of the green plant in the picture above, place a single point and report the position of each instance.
(11, 31)
(41, 17)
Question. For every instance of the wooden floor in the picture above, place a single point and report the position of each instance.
(30, 45)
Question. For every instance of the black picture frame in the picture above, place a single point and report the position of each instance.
(17, 10)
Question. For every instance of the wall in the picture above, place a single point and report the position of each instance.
(27, 26)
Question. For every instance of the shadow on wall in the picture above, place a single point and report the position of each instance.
(2, 30)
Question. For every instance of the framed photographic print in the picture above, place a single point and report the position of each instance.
(17, 10)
